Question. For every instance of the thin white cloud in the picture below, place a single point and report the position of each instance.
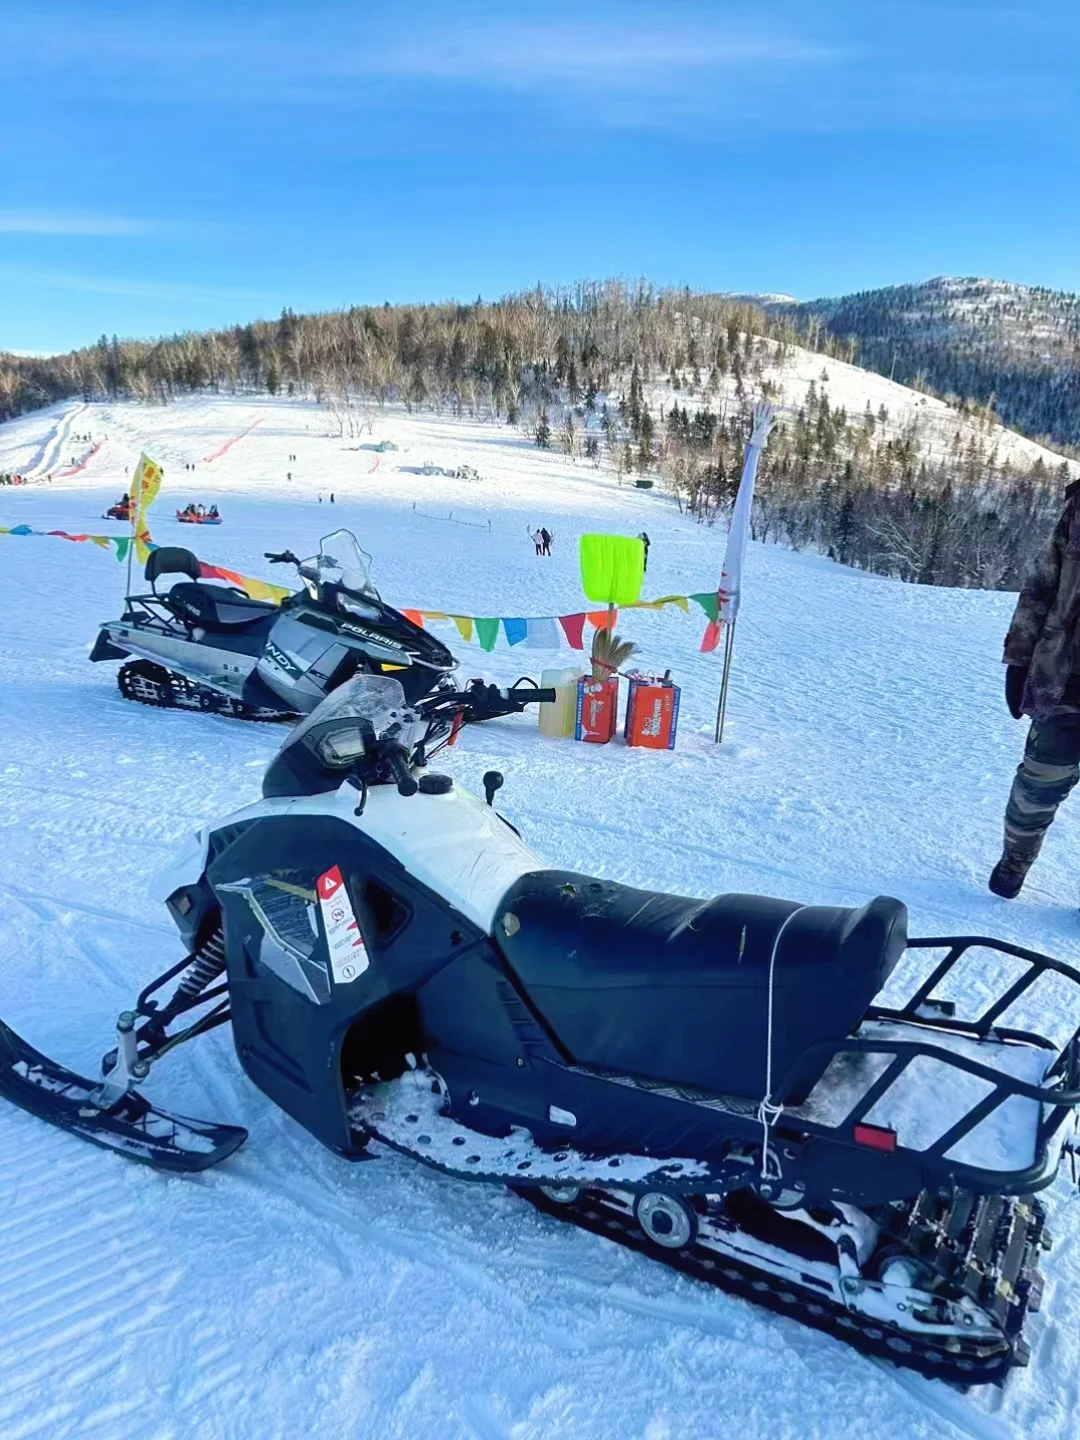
(75, 224)
(590, 56)
(134, 289)
(15, 222)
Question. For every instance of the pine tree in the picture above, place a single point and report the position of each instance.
(543, 431)
(636, 399)
(573, 389)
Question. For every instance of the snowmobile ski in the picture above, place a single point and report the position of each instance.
(132, 1125)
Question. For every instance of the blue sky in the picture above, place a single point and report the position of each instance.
(180, 165)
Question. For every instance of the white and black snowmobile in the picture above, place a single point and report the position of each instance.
(206, 646)
(709, 1082)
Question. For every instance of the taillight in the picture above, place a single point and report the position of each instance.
(875, 1137)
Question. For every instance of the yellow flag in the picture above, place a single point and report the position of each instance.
(263, 590)
(464, 625)
(145, 484)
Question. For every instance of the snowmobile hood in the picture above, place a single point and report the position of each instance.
(455, 844)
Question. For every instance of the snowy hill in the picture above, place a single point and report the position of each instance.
(938, 430)
(287, 1293)
(1015, 345)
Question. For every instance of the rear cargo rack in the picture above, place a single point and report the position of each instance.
(1057, 1100)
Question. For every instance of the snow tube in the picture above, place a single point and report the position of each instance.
(197, 519)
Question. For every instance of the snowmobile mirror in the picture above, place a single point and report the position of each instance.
(493, 782)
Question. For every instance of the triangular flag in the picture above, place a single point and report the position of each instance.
(263, 590)
(415, 616)
(487, 631)
(434, 614)
(121, 542)
(709, 602)
(542, 634)
(464, 626)
(515, 631)
(101, 541)
(573, 626)
(598, 619)
(711, 638)
(682, 601)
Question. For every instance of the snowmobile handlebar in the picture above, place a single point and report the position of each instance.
(286, 557)
(397, 758)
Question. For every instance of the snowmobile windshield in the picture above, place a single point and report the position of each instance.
(339, 732)
(364, 709)
(341, 562)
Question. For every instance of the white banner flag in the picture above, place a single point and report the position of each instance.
(731, 576)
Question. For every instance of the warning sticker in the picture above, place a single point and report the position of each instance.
(348, 954)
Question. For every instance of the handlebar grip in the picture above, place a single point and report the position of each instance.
(399, 765)
(530, 695)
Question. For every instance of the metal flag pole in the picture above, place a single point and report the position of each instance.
(721, 706)
(136, 484)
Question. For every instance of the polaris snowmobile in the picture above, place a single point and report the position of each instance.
(205, 646)
(120, 511)
(712, 1083)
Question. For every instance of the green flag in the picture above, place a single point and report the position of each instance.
(487, 632)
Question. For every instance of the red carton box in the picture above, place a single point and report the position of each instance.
(597, 710)
(652, 713)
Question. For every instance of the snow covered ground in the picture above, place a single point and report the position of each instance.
(288, 1293)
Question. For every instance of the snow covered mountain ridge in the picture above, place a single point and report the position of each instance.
(1014, 346)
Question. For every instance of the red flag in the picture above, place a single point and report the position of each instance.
(573, 627)
(711, 638)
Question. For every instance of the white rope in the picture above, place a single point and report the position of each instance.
(768, 1111)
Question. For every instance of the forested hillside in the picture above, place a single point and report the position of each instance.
(1012, 346)
(658, 386)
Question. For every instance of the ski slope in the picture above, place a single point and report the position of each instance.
(289, 1293)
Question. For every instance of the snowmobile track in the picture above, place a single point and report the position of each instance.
(880, 1340)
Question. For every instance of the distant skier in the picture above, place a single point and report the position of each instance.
(1043, 681)
(646, 542)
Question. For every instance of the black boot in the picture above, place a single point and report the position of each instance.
(1008, 875)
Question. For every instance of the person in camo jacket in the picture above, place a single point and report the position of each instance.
(1042, 653)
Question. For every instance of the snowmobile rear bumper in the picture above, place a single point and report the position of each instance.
(131, 1126)
(104, 649)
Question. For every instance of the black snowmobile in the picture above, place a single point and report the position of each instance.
(206, 646)
(709, 1082)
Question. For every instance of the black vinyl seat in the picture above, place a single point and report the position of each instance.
(214, 607)
(674, 989)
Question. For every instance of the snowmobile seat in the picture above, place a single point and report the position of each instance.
(676, 989)
(216, 607)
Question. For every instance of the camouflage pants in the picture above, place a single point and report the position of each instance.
(1049, 770)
